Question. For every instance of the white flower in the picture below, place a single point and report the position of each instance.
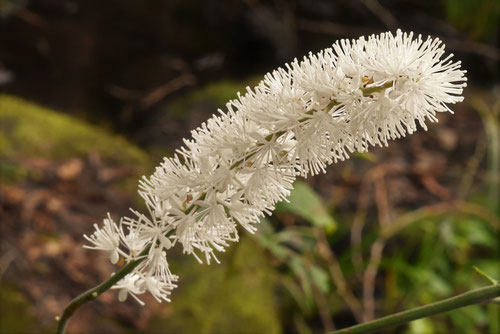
(298, 120)
(143, 231)
(156, 265)
(106, 239)
(130, 285)
(133, 241)
(159, 289)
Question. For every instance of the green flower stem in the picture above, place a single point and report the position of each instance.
(95, 292)
(469, 298)
(376, 89)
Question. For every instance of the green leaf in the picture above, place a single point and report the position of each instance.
(301, 271)
(305, 203)
(296, 293)
(485, 275)
(320, 278)
(423, 325)
(369, 156)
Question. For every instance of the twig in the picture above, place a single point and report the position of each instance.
(148, 99)
(160, 92)
(383, 14)
(384, 218)
(327, 27)
(323, 310)
(337, 275)
(369, 279)
(336, 29)
(472, 167)
(492, 127)
(372, 176)
(358, 225)
(6, 260)
(432, 185)
(466, 46)
(405, 220)
(382, 202)
(32, 18)
(469, 298)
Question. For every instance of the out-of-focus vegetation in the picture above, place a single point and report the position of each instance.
(238, 296)
(477, 18)
(385, 231)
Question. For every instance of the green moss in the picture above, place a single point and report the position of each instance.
(33, 131)
(29, 131)
(11, 173)
(14, 312)
(478, 18)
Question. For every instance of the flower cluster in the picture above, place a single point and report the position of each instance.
(298, 120)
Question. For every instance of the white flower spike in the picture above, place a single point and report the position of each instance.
(298, 120)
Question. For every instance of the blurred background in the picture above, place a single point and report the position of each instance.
(95, 93)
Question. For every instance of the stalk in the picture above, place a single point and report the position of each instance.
(468, 298)
(96, 291)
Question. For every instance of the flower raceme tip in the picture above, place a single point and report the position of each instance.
(295, 122)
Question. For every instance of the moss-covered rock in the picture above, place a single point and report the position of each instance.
(14, 312)
(30, 131)
(35, 131)
(38, 147)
